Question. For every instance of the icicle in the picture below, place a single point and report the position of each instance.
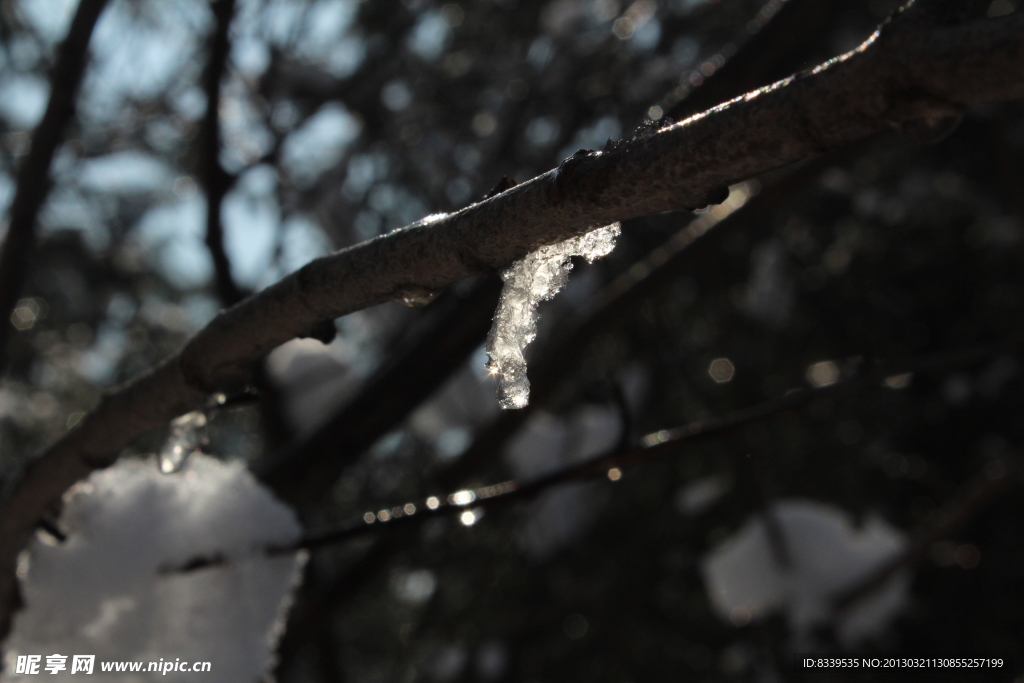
(188, 434)
(538, 276)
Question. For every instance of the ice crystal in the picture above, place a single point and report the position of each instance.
(532, 279)
(188, 434)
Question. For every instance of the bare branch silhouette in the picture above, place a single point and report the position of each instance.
(669, 442)
(961, 508)
(34, 174)
(217, 181)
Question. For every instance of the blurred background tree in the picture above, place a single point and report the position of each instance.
(219, 147)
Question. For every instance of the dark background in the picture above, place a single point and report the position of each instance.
(342, 120)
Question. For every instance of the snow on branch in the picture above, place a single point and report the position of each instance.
(913, 73)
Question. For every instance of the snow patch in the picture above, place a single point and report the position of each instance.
(100, 593)
(828, 555)
(536, 277)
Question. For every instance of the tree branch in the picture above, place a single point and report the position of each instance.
(663, 444)
(951, 518)
(910, 70)
(216, 181)
(34, 174)
(561, 357)
(657, 445)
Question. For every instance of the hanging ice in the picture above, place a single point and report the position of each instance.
(529, 281)
(188, 434)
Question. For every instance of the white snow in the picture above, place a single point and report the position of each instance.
(827, 553)
(530, 280)
(99, 592)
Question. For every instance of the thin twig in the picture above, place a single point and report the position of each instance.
(780, 40)
(656, 445)
(997, 481)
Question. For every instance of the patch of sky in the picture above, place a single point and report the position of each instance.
(199, 309)
(6, 195)
(251, 219)
(190, 102)
(24, 53)
(137, 51)
(280, 19)
(396, 95)
(399, 205)
(362, 171)
(542, 131)
(128, 172)
(687, 6)
(685, 51)
(647, 35)
(67, 209)
(50, 19)
(325, 23)
(345, 56)
(540, 53)
(250, 55)
(319, 143)
(250, 52)
(98, 363)
(246, 138)
(302, 242)
(594, 136)
(428, 37)
(172, 235)
(23, 100)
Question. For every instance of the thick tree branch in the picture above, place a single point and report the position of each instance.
(910, 70)
(34, 174)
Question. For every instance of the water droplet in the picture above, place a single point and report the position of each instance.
(188, 434)
(415, 297)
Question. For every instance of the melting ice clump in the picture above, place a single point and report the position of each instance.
(532, 279)
(827, 553)
(188, 435)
